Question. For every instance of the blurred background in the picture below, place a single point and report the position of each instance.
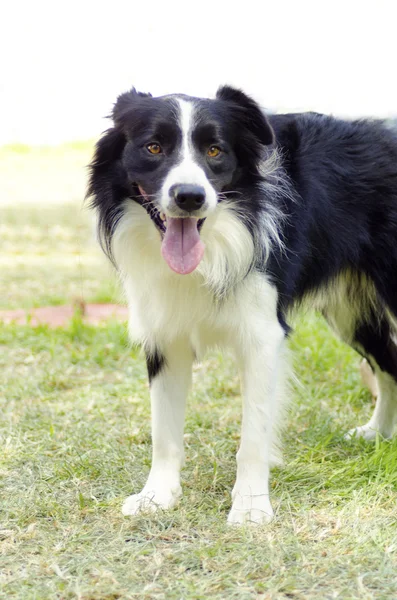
(63, 65)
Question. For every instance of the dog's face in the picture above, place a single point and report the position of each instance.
(177, 155)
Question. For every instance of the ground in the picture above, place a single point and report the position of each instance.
(75, 437)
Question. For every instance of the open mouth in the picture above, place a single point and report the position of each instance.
(182, 247)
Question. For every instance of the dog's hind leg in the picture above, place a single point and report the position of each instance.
(377, 341)
(170, 377)
(356, 308)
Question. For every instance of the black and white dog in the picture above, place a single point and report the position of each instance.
(220, 220)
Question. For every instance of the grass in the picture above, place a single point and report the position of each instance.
(75, 437)
(48, 252)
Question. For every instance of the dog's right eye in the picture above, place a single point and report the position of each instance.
(213, 151)
(154, 148)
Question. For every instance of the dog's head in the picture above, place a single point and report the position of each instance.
(177, 156)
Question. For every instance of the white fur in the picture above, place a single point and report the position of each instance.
(182, 315)
(187, 170)
(276, 186)
(168, 397)
(157, 295)
(260, 354)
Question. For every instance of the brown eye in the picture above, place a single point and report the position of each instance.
(154, 148)
(213, 151)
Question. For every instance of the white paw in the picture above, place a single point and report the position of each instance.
(250, 509)
(368, 432)
(150, 500)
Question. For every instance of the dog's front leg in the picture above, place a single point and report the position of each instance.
(263, 374)
(170, 378)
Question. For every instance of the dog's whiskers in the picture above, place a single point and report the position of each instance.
(144, 195)
(227, 195)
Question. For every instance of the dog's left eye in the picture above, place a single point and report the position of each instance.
(213, 151)
(154, 148)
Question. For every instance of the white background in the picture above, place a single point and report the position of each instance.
(64, 63)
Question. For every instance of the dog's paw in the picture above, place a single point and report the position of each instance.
(150, 500)
(361, 432)
(248, 508)
(367, 432)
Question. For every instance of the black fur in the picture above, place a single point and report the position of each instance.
(108, 185)
(155, 362)
(373, 339)
(340, 212)
(344, 215)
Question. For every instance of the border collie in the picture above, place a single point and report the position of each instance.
(220, 220)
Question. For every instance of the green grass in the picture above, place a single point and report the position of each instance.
(75, 438)
(48, 252)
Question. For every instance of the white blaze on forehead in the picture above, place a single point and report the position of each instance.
(188, 169)
(186, 124)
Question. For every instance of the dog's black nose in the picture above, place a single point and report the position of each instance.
(188, 197)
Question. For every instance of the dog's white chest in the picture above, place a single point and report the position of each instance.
(165, 306)
(165, 309)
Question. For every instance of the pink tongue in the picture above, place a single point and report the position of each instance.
(182, 247)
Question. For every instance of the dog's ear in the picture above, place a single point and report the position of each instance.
(248, 113)
(103, 167)
(125, 103)
(106, 170)
(108, 184)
